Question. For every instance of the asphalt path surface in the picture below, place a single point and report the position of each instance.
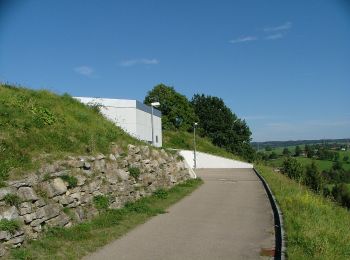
(228, 217)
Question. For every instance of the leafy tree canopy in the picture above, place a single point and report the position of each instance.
(177, 112)
(221, 125)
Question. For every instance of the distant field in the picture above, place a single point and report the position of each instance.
(322, 165)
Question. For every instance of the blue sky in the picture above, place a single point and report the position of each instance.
(284, 66)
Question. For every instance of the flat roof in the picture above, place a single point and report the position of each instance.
(121, 103)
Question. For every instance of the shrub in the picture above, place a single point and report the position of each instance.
(9, 225)
(134, 172)
(71, 180)
(101, 202)
(293, 169)
(12, 199)
(138, 207)
(161, 193)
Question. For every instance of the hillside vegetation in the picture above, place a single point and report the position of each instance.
(184, 140)
(316, 227)
(39, 126)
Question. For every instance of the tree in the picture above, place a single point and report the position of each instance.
(297, 151)
(292, 168)
(286, 152)
(273, 156)
(268, 148)
(222, 126)
(346, 158)
(313, 177)
(177, 112)
(337, 166)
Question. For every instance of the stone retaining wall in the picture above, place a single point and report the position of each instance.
(47, 198)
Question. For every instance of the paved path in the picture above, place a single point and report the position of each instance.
(228, 217)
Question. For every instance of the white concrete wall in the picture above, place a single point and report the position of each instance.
(126, 115)
(205, 161)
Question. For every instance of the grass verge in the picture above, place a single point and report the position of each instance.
(184, 140)
(316, 227)
(84, 238)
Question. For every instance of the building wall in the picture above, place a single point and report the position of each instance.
(144, 127)
(132, 116)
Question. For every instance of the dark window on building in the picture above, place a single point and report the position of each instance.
(156, 138)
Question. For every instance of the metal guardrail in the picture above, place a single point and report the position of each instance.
(280, 246)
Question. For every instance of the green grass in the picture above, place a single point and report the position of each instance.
(316, 227)
(9, 225)
(184, 140)
(82, 239)
(37, 126)
(322, 165)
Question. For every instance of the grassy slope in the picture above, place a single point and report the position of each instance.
(37, 126)
(316, 227)
(184, 140)
(75, 242)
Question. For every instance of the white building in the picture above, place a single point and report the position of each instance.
(132, 116)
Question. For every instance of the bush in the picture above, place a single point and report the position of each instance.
(12, 199)
(293, 169)
(134, 172)
(161, 193)
(9, 225)
(71, 180)
(101, 202)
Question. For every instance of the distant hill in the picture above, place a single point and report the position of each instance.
(275, 144)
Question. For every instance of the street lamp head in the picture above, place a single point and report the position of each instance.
(155, 104)
(195, 123)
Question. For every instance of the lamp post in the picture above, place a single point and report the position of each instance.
(154, 104)
(194, 146)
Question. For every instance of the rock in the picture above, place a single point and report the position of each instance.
(76, 196)
(145, 150)
(37, 222)
(87, 166)
(48, 212)
(5, 235)
(2, 250)
(123, 175)
(27, 194)
(10, 214)
(37, 228)
(112, 157)
(65, 200)
(18, 233)
(75, 163)
(60, 173)
(100, 165)
(81, 180)
(16, 240)
(59, 221)
(155, 153)
(25, 208)
(80, 214)
(29, 218)
(39, 203)
(172, 179)
(112, 177)
(95, 185)
(137, 158)
(6, 190)
(59, 186)
(100, 157)
(124, 163)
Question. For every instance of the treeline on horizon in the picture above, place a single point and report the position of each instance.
(276, 144)
(215, 119)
